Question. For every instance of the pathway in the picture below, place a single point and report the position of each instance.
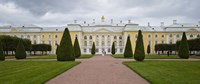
(99, 70)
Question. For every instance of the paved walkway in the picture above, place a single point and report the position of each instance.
(99, 70)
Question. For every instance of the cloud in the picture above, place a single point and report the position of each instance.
(62, 12)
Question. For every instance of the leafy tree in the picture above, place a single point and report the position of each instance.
(2, 56)
(65, 52)
(113, 48)
(148, 49)
(139, 54)
(20, 51)
(128, 49)
(183, 48)
(93, 49)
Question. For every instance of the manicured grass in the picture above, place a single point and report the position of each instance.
(86, 56)
(167, 72)
(150, 56)
(34, 72)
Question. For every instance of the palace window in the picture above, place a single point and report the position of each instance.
(76, 36)
(49, 36)
(102, 36)
(49, 42)
(97, 37)
(115, 37)
(56, 36)
(121, 50)
(163, 36)
(163, 41)
(85, 43)
(103, 44)
(108, 50)
(90, 43)
(85, 37)
(156, 42)
(108, 43)
(35, 36)
(108, 36)
(177, 35)
(56, 43)
(28, 36)
(156, 36)
(97, 50)
(120, 43)
(149, 36)
(170, 35)
(149, 42)
(97, 43)
(170, 42)
(43, 42)
(90, 37)
(191, 36)
(42, 36)
(85, 50)
(120, 37)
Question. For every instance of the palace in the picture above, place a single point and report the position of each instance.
(104, 34)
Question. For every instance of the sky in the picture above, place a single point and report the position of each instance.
(63, 12)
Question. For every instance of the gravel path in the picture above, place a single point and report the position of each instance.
(99, 70)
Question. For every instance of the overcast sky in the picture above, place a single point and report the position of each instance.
(63, 12)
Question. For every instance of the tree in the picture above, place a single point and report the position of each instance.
(77, 50)
(66, 51)
(148, 49)
(93, 49)
(183, 51)
(139, 54)
(113, 48)
(2, 56)
(57, 49)
(128, 49)
(20, 51)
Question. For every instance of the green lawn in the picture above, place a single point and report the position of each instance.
(150, 56)
(86, 56)
(168, 72)
(34, 72)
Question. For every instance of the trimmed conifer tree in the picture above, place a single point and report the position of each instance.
(148, 49)
(113, 48)
(57, 49)
(65, 50)
(77, 50)
(139, 54)
(128, 49)
(20, 51)
(2, 56)
(93, 49)
(183, 51)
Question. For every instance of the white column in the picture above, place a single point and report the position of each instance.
(38, 39)
(167, 38)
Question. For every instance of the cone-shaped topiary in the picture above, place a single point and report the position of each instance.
(183, 51)
(148, 49)
(65, 50)
(20, 51)
(57, 49)
(77, 50)
(113, 48)
(139, 54)
(93, 49)
(128, 49)
(2, 56)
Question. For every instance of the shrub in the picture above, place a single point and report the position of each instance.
(2, 56)
(139, 54)
(183, 48)
(77, 50)
(113, 48)
(93, 49)
(148, 49)
(65, 52)
(20, 51)
(128, 49)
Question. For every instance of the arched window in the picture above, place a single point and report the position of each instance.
(90, 37)
(198, 36)
(76, 36)
(56, 36)
(149, 36)
(90, 43)
(170, 35)
(163, 36)
(102, 36)
(115, 37)
(108, 43)
(103, 43)
(177, 35)
(97, 37)
(156, 36)
(120, 37)
(191, 36)
(108, 36)
(85, 37)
